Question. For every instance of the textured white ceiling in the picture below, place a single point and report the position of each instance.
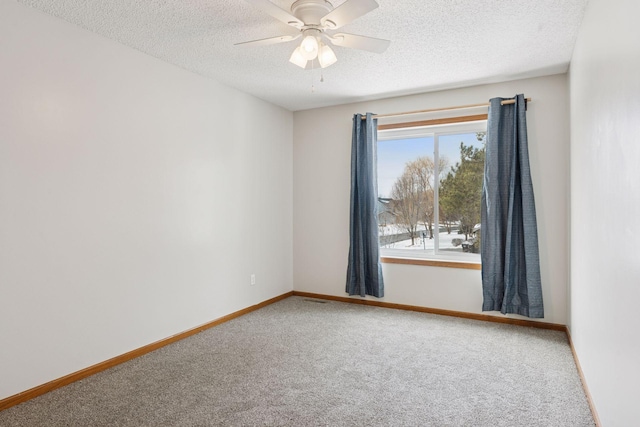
(435, 44)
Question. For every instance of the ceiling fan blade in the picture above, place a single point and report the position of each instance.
(354, 41)
(347, 12)
(270, 40)
(280, 14)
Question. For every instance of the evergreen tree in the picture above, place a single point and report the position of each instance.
(461, 189)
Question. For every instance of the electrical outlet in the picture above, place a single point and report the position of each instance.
(253, 279)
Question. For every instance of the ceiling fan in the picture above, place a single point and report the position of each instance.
(315, 21)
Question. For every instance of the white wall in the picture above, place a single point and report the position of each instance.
(322, 146)
(605, 207)
(135, 199)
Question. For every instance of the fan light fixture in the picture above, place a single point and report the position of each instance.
(326, 56)
(298, 58)
(310, 49)
(315, 21)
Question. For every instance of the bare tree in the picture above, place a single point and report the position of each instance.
(423, 169)
(406, 202)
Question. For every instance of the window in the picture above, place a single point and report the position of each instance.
(429, 191)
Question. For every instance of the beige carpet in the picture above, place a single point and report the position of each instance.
(301, 362)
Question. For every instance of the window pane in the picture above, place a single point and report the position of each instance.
(406, 193)
(460, 192)
(429, 192)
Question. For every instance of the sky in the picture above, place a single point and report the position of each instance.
(395, 154)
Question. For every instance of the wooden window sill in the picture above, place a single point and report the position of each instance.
(432, 263)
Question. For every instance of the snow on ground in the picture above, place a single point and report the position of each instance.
(422, 244)
(446, 239)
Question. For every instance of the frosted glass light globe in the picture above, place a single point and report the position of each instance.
(309, 47)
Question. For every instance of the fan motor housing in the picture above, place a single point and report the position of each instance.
(311, 11)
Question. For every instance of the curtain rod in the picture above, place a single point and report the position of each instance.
(461, 107)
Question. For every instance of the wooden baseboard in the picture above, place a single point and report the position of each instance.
(76, 376)
(453, 313)
(592, 406)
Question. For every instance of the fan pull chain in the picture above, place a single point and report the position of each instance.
(313, 87)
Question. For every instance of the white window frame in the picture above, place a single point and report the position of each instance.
(435, 131)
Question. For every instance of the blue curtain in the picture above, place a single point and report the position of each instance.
(364, 272)
(509, 233)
